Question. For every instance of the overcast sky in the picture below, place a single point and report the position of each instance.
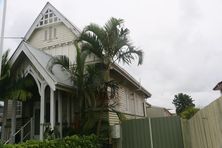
(181, 39)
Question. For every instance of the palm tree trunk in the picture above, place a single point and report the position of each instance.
(107, 74)
(4, 120)
(99, 123)
(105, 100)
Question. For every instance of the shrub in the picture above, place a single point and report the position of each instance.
(68, 142)
(189, 112)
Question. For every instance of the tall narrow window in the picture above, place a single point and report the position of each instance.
(45, 35)
(50, 33)
(132, 103)
(55, 33)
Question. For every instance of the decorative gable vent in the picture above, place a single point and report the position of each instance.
(48, 18)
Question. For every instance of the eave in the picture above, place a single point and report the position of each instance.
(132, 80)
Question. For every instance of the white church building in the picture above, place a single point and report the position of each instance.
(51, 105)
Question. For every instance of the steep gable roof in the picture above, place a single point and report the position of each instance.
(40, 60)
(57, 14)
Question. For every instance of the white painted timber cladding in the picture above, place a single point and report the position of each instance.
(124, 106)
(63, 35)
(68, 50)
(136, 107)
(113, 118)
(61, 45)
(56, 46)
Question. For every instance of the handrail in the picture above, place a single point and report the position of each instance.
(18, 131)
(29, 133)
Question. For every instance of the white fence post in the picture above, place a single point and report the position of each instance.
(151, 133)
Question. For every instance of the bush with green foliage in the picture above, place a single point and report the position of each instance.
(189, 112)
(68, 142)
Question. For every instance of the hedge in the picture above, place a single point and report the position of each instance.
(68, 142)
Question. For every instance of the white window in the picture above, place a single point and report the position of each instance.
(46, 35)
(55, 35)
(50, 34)
(139, 105)
(19, 108)
(132, 103)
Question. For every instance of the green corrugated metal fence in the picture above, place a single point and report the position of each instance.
(152, 133)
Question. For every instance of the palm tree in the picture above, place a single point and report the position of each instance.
(11, 87)
(110, 43)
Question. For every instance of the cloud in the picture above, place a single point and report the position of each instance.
(181, 40)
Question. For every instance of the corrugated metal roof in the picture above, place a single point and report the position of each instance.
(58, 74)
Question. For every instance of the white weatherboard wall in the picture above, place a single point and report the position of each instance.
(130, 103)
(68, 50)
(63, 35)
(61, 42)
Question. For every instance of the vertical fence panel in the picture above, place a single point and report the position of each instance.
(135, 134)
(166, 133)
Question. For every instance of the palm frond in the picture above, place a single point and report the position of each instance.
(129, 55)
(19, 94)
(112, 24)
(91, 42)
(98, 31)
(16, 88)
(5, 65)
(61, 60)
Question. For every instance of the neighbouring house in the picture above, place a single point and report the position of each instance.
(218, 87)
(156, 111)
(51, 105)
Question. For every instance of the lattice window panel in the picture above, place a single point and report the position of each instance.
(48, 18)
